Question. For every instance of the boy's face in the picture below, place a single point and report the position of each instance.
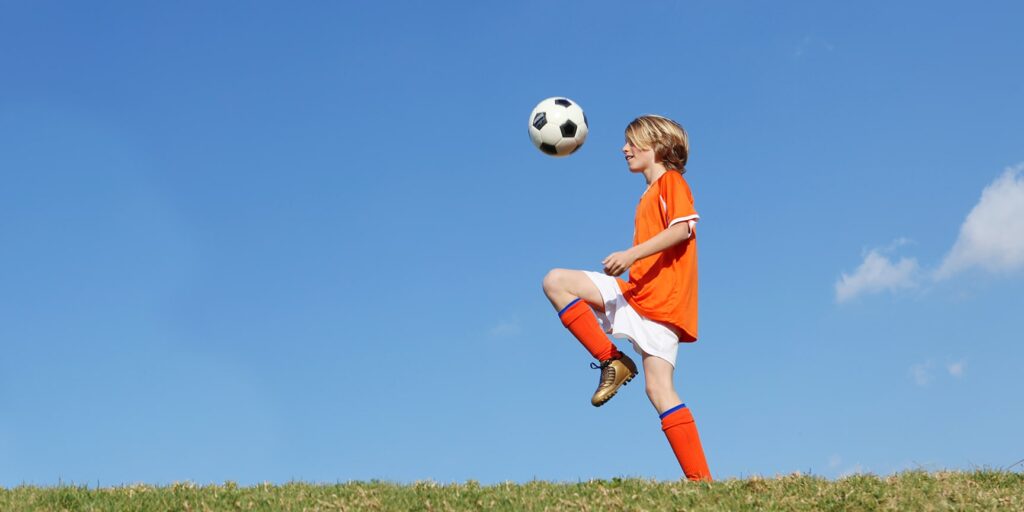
(637, 158)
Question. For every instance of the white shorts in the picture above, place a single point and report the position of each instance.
(622, 321)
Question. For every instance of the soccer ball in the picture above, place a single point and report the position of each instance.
(558, 126)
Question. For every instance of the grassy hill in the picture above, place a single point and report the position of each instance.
(915, 490)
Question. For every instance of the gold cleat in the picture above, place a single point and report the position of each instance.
(615, 373)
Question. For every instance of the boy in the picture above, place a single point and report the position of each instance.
(657, 308)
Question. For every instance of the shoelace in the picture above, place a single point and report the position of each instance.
(607, 377)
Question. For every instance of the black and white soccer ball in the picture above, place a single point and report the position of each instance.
(558, 126)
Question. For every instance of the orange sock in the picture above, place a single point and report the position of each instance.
(581, 322)
(681, 431)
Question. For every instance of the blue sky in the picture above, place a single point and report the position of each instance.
(273, 242)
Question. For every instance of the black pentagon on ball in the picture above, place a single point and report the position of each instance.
(540, 120)
(548, 148)
(568, 129)
(563, 102)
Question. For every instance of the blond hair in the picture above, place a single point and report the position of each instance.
(666, 137)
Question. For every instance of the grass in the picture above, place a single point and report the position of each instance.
(913, 490)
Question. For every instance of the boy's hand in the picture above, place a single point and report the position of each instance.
(618, 262)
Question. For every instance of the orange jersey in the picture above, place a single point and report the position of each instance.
(663, 286)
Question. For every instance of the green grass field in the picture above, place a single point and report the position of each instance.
(916, 490)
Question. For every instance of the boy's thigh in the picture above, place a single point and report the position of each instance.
(578, 284)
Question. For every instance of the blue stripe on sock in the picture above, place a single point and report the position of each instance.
(568, 306)
(670, 411)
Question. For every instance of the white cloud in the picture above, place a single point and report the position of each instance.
(810, 44)
(992, 236)
(957, 369)
(877, 274)
(922, 373)
(506, 329)
(834, 461)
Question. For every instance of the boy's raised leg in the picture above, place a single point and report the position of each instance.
(573, 294)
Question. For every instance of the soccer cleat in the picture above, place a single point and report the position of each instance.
(615, 373)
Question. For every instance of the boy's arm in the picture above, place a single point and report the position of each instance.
(618, 262)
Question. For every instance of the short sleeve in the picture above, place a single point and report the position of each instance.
(677, 201)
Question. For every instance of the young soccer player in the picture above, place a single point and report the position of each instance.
(657, 308)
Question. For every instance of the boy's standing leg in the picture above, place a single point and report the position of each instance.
(573, 294)
(676, 420)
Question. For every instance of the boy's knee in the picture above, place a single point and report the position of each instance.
(657, 391)
(554, 280)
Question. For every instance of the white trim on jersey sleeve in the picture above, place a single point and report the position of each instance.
(692, 218)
